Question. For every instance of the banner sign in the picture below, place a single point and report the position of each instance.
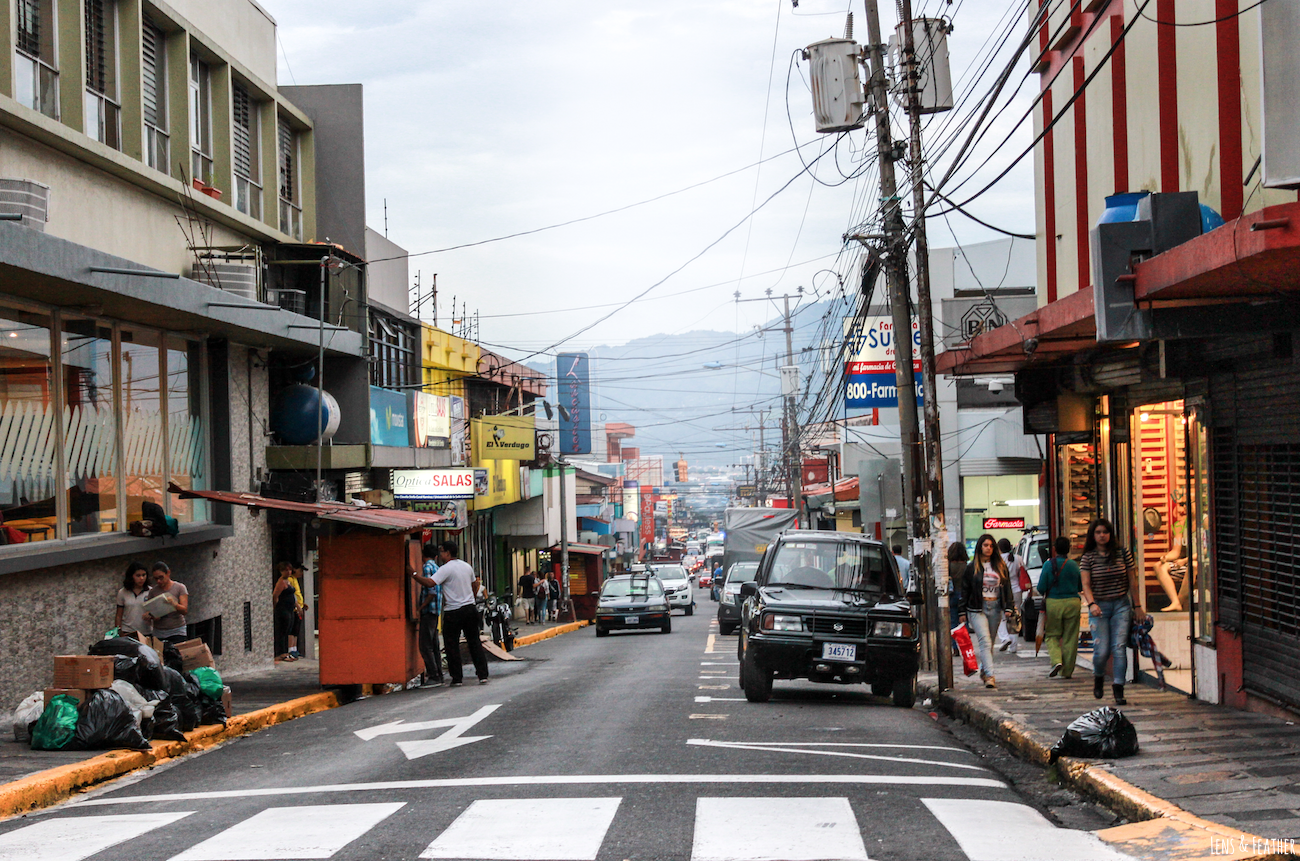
(869, 376)
(573, 373)
(389, 423)
(456, 511)
(433, 483)
(431, 420)
(504, 438)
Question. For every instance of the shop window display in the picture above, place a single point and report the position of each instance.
(27, 427)
(1160, 501)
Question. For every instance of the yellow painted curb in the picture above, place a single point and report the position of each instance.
(529, 639)
(56, 784)
(1160, 828)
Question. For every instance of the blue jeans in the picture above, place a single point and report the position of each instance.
(1110, 637)
(982, 634)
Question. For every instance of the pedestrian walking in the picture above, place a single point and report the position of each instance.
(526, 593)
(430, 615)
(986, 592)
(715, 583)
(129, 619)
(553, 600)
(296, 633)
(459, 615)
(170, 626)
(1110, 585)
(957, 559)
(904, 567)
(542, 594)
(1059, 583)
(282, 611)
(1016, 575)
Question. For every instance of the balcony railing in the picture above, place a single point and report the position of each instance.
(103, 119)
(156, 148)
(290, 219)
(36, 85)
(248, 196)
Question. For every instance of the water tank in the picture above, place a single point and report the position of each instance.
(238, 278)
(29, 199)
(294, 414)
(836, 85)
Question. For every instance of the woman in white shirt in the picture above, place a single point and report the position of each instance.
(130, 601)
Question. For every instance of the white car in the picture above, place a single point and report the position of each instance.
(677, 586)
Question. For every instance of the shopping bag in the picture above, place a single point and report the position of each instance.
(961, 637)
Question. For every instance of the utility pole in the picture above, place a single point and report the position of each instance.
(789, 417)
(925, 311)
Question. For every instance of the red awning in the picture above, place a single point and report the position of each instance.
(387, 519)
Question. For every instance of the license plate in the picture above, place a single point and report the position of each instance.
(631, 620)
(839, 652)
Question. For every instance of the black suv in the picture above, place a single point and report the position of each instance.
(828, 607)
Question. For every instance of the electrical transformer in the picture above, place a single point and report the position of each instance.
(836, 85)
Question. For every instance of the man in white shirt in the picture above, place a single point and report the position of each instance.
(904, 567)
(459, 586)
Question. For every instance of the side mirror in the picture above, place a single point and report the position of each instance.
(748, 590)
(915, 598)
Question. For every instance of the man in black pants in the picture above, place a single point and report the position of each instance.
(459, 585)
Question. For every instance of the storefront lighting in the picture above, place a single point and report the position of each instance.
(1014, 503)
(1144, 416)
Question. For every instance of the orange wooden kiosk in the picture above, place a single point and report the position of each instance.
(367, 606)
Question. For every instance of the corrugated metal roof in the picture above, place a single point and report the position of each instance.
(387, 519)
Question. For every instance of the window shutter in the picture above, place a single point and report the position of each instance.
(96, 60)
(286, 159)
(243, 132)
(29, 27)
(152, 42)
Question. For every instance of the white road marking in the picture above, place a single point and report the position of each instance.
(773, 748)
(840, 744)
(713, 687)
(508, 829)
(454, 737)
(78, 837)
(313, 831)
(1008, 831)
(707, 717)
(555, 780)
(719, 699)
(708, 648)
(716, 678)
(717, 663)
(776, 829)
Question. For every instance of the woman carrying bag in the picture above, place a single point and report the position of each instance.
(986, 596)
(1059, 583)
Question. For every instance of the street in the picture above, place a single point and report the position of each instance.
(636, 746)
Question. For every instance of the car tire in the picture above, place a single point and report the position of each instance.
(756, 681)
(602, 632)
(905, 692)
(726, 627)
(667, 626)
(690, 609)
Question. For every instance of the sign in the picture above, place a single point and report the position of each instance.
(746, 491)
(981, 318)
(1004, 523)
(433, 483)
(869, 376)
(573, 373)
(389, 424)
(504, 438)
(431, 419)
(456, 511)
(459, 454)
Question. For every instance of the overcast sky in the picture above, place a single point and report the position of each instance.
(486, 118)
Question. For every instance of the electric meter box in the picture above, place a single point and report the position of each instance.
(934, 84)
(836, 85)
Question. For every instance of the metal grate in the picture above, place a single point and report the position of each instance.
(1269, 482)
(29, 27)
(248, 626)
(1227, 527)
(850, 628)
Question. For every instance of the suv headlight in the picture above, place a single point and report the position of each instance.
(891, 629)
(777, 622)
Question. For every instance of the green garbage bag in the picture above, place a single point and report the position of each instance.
(57, 724)
(209, 682)
(111, 633)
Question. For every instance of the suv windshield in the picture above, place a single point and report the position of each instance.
(832, 565)
(742, 572)
(633, 587)
(670, 572)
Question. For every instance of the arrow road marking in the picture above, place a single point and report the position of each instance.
(454, 737)
(740, 745)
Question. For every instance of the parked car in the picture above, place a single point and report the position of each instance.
(677, 586)
(828, 607)
(632, 601)
(729, 606)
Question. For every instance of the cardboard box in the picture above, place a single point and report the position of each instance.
(84, 672)
(77, 694)
(190, 644)
(153, 643)
(193, 658)
(225, 702)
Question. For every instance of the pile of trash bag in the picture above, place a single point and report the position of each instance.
(152, 699)
(1103, 733)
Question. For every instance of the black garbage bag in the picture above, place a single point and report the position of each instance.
(127, 669)
(166, 720)
(148, 664)
(211, 711)
(171, 657)
(104, 721)
(1100, 734)
(184, 697)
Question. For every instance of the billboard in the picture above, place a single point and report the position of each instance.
(869, 376)
(389, 423)
(430, 420)
(573, 373)
(504, 438)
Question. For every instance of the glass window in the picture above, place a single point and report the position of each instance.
(102, 115)
(188, 462)
(833, 565)
(27, 425)
(246, 138)
(153, 86)
(89, 427)
(36, 76)
(143, 445)
(200, 120)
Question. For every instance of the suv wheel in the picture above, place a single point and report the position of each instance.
(726, 627)
(905, 692)
(667, 626)
(690, 609)
(756, 680)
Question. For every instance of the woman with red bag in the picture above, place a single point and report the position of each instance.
(986, 594)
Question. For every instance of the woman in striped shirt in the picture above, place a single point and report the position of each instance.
(1110, 586)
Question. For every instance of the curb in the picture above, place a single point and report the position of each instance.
(1157, 828)
(57, 784)
(529, 639)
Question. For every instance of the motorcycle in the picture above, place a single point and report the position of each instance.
(499, 613)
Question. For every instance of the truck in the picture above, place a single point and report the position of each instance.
(747, 532)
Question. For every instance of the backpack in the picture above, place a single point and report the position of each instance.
(152, 513)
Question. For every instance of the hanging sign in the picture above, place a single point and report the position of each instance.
(433, 483)
(869, 376)
(1004, 523)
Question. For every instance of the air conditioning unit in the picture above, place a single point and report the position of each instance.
(29, 199)
(238, 278)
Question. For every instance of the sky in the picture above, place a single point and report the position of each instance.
(486, 119)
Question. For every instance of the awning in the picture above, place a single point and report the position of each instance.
(845, 490)
(589, 549)
(386, 519)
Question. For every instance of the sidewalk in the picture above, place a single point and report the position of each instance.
(1207, 779)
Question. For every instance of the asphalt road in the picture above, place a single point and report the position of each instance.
(634, 746)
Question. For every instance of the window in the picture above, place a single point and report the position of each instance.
(154, 95)
(102, 113)
(393, 362)
(90, 426)
(287, 159)
(248, 191)
(27, 418)
(187, 462)
(36, 78)
(200, 121)
(143, 443)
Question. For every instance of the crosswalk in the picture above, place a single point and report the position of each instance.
(730, 828)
